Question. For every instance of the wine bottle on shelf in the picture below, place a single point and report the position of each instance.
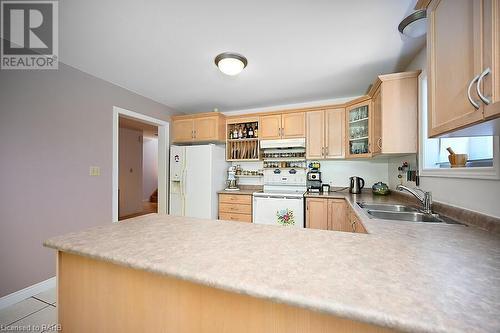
(240, 133)
(244, 131)
(235, 132)
(256, 130)
(250, 131)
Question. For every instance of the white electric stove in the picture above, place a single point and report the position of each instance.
(282, 200)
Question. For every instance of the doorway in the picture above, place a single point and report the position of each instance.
(140, 146)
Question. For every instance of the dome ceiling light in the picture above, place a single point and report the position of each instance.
(414, 25)
(231, 63)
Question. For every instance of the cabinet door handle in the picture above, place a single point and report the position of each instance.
(473, 102)
(353, 225)
(379, 143)
(326, 151)
(478, 86)
(322, 151)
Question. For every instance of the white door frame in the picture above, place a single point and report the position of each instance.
(163, 144)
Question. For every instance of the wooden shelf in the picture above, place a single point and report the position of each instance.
(243, 140)
(244, 149)
(284, 159)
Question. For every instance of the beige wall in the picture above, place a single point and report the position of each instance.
(54, 124)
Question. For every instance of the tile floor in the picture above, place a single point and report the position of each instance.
(34, 314)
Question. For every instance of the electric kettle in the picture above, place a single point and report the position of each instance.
(357, 183)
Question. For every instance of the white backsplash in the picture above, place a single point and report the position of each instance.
(250, 166)
(336, 172)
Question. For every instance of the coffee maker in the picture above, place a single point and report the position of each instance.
(314, 178)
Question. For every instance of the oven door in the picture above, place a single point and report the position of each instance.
(279, 210)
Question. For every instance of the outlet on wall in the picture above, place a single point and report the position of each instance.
(94, 171)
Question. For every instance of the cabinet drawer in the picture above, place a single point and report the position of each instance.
(235, 217)
(232, 208)
(236, 198)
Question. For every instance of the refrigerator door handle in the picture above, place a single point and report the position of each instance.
(183, 181)
(183, 191)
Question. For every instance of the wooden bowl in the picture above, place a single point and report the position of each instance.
(458, 160)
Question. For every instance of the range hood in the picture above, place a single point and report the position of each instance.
(283, 143)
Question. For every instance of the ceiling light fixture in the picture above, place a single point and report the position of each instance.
(231, 63)
(414, 25)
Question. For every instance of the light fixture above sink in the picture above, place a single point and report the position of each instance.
(231, 63)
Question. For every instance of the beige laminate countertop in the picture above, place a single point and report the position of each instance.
(414, 277)
(240, 192)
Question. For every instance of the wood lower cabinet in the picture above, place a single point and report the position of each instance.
(317, 213)
(354, 223)
(206, 127)
(235, 207)
(332, 214)
(235, 217)
(325, 134)
(282, 126)
(456, 80)
(337, 215)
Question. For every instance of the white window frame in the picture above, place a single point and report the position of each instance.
(472, 173)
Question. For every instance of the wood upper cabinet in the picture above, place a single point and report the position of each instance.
(325, 134)
(491, 58)
(315, 135)
(198, 128)
(282, 126)
(455, 78)
(293, 125)
(317, 213)
(394, 118)
(335, 133)
(270, 126)
(376, 123)
(182, 130)
(206, 129)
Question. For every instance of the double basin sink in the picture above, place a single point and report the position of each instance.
(398, 212)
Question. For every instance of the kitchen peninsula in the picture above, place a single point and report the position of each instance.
(176, 274)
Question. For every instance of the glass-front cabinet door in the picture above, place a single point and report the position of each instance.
(359, 129)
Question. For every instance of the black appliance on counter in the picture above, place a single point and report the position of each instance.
(314, 181)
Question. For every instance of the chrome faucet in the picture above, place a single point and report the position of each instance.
(424, 197)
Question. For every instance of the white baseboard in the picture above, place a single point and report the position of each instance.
(27, 292)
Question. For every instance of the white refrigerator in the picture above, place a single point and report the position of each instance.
(197, 173)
